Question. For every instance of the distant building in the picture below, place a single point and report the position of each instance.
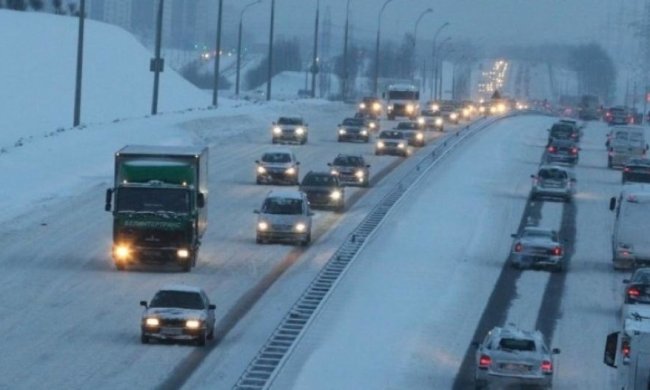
(117, 12)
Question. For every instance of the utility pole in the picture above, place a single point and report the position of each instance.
(344, 87)
(157, 64)
(314, 61)
(270, 64)
(80, 56)
(217, 57)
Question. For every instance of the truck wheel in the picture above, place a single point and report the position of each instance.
(120, 266)
(144, 339)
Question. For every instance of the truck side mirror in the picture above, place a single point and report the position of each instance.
(109, 196)
(611, 346)
(200, 200)
(143, 303)
(612, 203)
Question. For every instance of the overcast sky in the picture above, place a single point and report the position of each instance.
(511, 21)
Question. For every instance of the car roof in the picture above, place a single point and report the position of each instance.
(285, 193)
(181, 288)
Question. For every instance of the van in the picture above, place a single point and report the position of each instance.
(630, 245)
(625, 142)
(628, 350)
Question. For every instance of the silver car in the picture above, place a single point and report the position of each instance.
(285, 216)
(290, 129)
(392, 142)
(277, 165)
(430, 119)
(509, 356)
(178, 312)
(537, 247)
(553, 181)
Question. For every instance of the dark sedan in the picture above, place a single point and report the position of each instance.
(636, 170)
(323, 190)
(562, 151)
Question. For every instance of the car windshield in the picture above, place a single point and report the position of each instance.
(319, 180)
(178, 299)
(352, 122)
(552, 174)
(391, 135)
(286, 206)
(276, 157)
(407, 126)
(154, 200)
(512, 344)
(348, 161)
(289, 121)
(561, 131)
(536, 234)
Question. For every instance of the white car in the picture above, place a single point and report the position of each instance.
(285, 215)
(277, 165)
(178, 312)
(290, 129)
(537, 247)
(509, 356)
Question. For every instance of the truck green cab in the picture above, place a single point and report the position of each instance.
(160, 196)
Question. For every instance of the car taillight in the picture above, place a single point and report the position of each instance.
(574, 150)
(633, 292)
(625, 349)
(551, 149)
(626, 169)
(557, 251)
(547, 367)
(484, 362)
(518, 247)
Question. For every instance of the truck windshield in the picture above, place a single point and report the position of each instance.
(402, 95)
(177, 299)
(153, 200)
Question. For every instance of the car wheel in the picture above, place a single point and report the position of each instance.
(144, 339)
(200, 341)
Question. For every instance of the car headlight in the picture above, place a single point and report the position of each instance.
(359, 174)
(336, 195)
(372, 125)
(419, 136)
(401, 145)
(390, 107)
(364, 132)
(342, 131)
(334, 172)
(290, 171)
(261, 169)
(362, 106)
(466, 112)
(193, 324)
(380, 144)
(122, 252)
(421, 121)
(376, 106)
(481, 109)
(152, 322)
(438, 121)
(262, 225)
(277, 130)
(300, 131)
(453, 116)
(183, 253)
(435, 107)
(410, 108)
(300, 227)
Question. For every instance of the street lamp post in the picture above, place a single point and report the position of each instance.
(239, 37)
(440, 69)
(269, 68)
(375, 87)
(344, 86)
(217, 57)
(415, 35)
(157, 63)
(434, 64)
(314, 61)
(80, 56)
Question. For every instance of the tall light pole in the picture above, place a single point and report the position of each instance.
(440, 66)
(239, 37)
(434, 61)
(415, 36)
(217, 57)
(80, 56)
(344, 86)
(375, 87)
(269, 68)
(314, 61)
(157, 63)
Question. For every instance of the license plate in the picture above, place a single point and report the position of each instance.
(171, 331)
(515, 367)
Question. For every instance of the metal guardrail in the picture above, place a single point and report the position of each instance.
(264, 367)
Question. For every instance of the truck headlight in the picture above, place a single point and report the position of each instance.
(380, 145)
(263, 226)
(291, 171)
(300, 131)
(192, 324)
(300, 227)
(421, 121)
(152, 322)
(336, 195)
(376, 106)
(342, 131)
(410, 108)
(122, 252)
(390, 107)
(261, 170)
(183, 253)
(277, 130)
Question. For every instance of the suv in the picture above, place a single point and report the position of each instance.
(512, 356)
(563, 131)
(290, 129)
(178, 313)
(323, 190)
(392, 142)
(562, 151)
(351, 169)
(353, 129)
(278, 165)
(553, 181)
(285, 216)
(413, 132)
